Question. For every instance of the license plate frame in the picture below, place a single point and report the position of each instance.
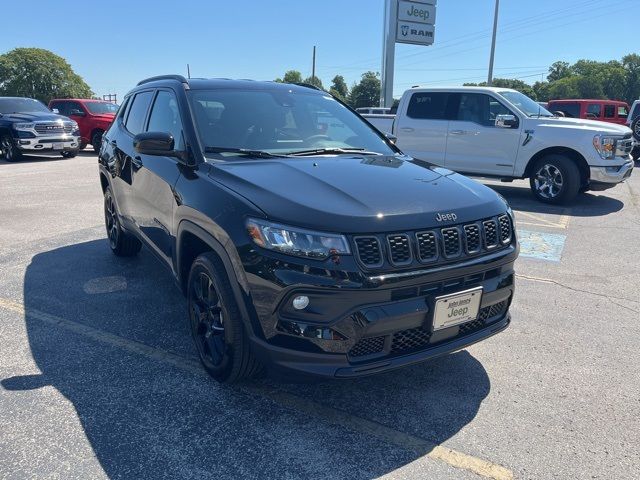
(444, 305)
(58, 146)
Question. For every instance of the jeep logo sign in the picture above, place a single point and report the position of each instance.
(446, 217)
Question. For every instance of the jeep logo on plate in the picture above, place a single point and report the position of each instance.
(445, 217)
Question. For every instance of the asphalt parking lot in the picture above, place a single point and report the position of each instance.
(99, 378)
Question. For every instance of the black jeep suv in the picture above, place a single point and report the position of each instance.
(303, 239)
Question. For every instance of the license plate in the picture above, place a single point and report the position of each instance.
(456, 308)
(58, 146)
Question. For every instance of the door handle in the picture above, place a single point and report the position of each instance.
(136, 162)
(407, 129)
(458, 132)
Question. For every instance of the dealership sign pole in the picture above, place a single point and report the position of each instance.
(404, 22)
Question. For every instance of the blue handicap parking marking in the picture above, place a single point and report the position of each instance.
(541, 245)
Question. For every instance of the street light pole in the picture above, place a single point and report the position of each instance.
(493, 43)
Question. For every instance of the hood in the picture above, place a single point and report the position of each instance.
(583, 124)
(33, 117)
(357, 194)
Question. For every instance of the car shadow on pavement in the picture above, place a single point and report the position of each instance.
(145, 418)
(585, 204)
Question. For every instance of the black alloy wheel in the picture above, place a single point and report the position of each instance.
(122, 243)
(10, 152)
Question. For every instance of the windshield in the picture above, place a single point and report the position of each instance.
(279, 122)
(21, 105)
(101, 108)
(526, 105)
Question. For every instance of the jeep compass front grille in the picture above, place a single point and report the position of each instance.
(442, 245)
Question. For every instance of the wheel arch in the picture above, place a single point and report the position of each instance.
(193, 240)
(574, 155)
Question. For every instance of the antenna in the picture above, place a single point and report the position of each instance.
(188, 71)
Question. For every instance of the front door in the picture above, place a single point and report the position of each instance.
(475, 144)
(154, 177)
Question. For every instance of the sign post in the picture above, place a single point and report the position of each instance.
(405, 21)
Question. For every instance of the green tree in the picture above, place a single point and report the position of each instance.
(564, 88)
(39, 74)
(541, 89)
(339, 88)
(631, 65)
(292, 76)
(559, 70)
(512, 83)
(367, 92)
(315, 81)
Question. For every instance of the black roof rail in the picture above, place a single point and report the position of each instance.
(308, 85)
(179, 78)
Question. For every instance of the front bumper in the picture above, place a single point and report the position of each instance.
(53, 143)
(357, 325)
(607, 177)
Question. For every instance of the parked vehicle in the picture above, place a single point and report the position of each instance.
(28, 126)
(374, 110)
(611, 111)
(501, 133)
(634, 112)
(93, 116)
(327, 254)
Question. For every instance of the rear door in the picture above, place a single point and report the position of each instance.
(475, 144)
(594, 111)
(154, 177)
(120, 153)
(422, 128)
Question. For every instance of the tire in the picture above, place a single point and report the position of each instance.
(96, 140)
(635, 128)
(10, 152)
(122, 244)
(216, 323)
(555, 179)
(69, 153)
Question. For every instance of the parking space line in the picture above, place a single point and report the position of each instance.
(539, 221)
(330, 415)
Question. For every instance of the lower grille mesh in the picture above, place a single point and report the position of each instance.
(418, 338)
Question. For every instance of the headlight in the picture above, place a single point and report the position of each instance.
(24, 126)
(296, 241)
(605, 146)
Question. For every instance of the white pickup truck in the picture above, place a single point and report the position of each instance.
(502, 133)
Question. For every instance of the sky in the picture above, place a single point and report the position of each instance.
(114, 44)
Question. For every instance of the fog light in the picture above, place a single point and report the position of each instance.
(300, 302)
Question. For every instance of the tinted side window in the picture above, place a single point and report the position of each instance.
(594, 110)
(138, 112)
(63, 108)
(428, 105)
(165, 117)
(609, 111)
(571, 110)
(122, 111)
(480, 108)
(75, 106)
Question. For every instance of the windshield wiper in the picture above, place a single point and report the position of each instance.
(337, 151)
(243, 151)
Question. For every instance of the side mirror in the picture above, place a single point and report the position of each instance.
(391, 137)
(55, 110)
(506, 121)
(77, 113)
(154, 143)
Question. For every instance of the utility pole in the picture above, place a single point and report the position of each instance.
(493, 43)
(313, 65)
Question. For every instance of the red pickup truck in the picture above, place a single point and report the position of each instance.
(93, 117)
(612, 111)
